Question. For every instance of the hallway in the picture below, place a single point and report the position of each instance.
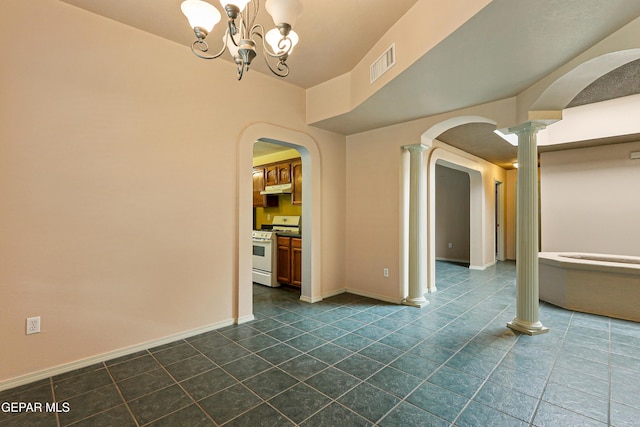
(351, 361)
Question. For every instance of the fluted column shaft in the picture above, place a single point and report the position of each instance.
(527, 282)
(416, 283)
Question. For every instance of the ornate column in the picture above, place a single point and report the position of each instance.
(527, 284)
(416, 281)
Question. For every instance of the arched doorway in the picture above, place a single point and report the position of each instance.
(311, 194)
(481, 241)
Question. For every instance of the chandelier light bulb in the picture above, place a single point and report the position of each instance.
(284, 11)
(200, 14)
(273, 38)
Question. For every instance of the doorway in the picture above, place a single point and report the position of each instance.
(453, 215)
(311, 287)
(277, 210)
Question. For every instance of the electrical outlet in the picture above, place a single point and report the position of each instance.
(450, 245)
(385, 272)
(33, 325)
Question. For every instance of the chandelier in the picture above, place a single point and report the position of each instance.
(241, 33)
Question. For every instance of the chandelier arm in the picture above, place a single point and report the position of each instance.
(251, 17)
(258, 30)
(281, 69)
(201, 45)
(281, 66)
(231, 30)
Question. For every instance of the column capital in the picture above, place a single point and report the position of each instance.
(416, 147)
(531, 126)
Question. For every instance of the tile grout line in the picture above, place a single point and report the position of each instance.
(115, 383)
(548, 377)
(456, 353)
(53, 395)
(163, 367)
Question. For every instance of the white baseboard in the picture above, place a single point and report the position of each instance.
(375, 296)
(68, 367)
(245, 319)
(334, 293)
(482, 267)
(352, 291)
(310, 300)
(461, 261)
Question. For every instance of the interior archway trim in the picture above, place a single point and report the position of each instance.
(562, 91)
(311, 213)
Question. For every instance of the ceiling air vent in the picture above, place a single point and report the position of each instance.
(383, 63)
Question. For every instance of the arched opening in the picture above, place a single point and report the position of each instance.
(311, 260)
(559, 94)
(478, 236)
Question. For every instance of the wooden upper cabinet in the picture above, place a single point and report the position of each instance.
(271, 175)
(279, 173)
(284, 173)
(258, 186)
(296, 182)
(259, 200)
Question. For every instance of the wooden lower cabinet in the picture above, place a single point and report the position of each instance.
(289, 261)
(284, 259)
(296, 262)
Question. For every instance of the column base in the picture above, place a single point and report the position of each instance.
(526, 327)
(415, 302)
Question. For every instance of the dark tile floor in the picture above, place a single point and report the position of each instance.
(351, 361)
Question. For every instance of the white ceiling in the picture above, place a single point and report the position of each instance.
(498, 53)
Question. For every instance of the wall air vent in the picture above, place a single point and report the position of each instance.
(383, 63)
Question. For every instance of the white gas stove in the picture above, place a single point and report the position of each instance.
(264, 248)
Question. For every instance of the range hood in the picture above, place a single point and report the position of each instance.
(277, 189)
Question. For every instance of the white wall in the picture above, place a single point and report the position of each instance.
(590, 200)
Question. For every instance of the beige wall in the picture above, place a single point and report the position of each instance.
(116, 160)
(376, 175)
(430, 22)
(452, 214)
(590, 200)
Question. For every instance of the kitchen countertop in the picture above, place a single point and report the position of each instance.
(286, 234)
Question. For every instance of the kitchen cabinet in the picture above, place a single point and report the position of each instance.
(289, 254)
(296, 261)
(285, 172)
(296, 182)
(278, 173)
(259, 200)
